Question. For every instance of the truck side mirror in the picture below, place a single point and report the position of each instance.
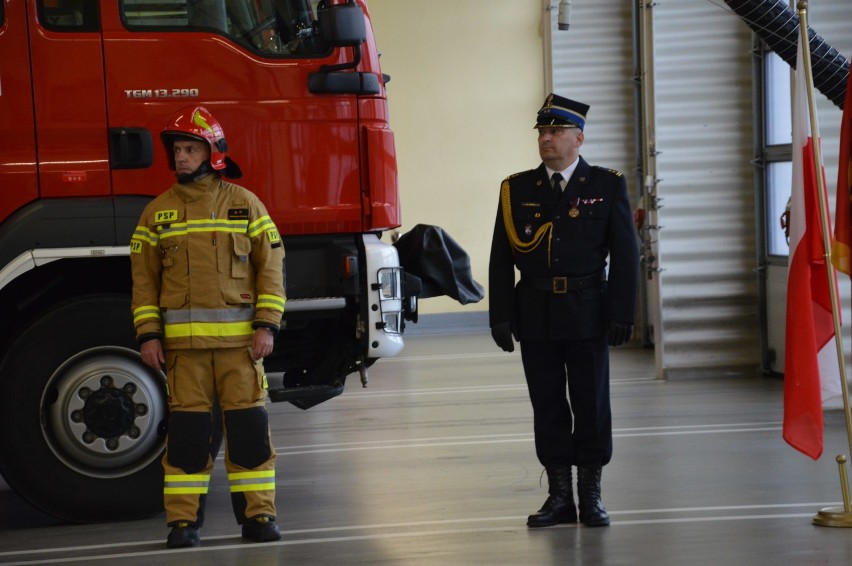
(343, 25)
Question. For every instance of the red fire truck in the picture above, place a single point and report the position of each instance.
(85, 88)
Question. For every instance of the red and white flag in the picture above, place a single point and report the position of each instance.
(841, 247)
(811, 370)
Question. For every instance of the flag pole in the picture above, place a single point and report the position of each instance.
(829, 516)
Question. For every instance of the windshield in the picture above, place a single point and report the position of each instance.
(267, 27)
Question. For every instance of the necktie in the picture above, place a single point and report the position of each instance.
(556, 181)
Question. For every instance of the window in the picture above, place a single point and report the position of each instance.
(69, 15)
(779, 125)
(779, 178)
(267, 27)
(777, 150)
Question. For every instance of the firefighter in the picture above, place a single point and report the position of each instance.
(558, 225)
(208, 297)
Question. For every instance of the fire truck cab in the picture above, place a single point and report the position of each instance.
(85, 89)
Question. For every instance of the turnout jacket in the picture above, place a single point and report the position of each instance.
(208, 267)
(545, 236)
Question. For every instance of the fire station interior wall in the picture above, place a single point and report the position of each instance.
(467, 78)
(708, 243)
(707, 286)
(705, 124)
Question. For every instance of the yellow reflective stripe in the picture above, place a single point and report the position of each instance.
(202, 226)
(185, 329)
(256, 487)
(272, 302)
(145, 235)
(252, 481)
(178, 484)
(259, 225)
(234, 476)
(145, 312)
(210, 225)
(187, 478)
(184, 490)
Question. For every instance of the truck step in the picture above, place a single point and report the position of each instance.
(316, 393)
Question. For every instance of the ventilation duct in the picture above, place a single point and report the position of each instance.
(778, 25)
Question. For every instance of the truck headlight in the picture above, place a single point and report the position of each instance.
(392, 322)
(390, 286)
(389, 289)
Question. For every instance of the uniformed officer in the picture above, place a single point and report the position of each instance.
(559, 224)
(208, 296)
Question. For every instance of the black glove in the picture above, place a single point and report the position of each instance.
(502, 334)
(619, 332)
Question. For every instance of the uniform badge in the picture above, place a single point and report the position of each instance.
(238, 213)
(165, 216)
(574, 212)
(527, 230)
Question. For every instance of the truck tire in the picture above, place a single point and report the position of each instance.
(83, 419)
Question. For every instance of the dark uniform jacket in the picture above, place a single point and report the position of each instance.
(546, 235)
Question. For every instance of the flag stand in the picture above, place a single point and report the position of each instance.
(829, 516)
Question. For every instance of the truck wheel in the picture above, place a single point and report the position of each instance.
(83, 419)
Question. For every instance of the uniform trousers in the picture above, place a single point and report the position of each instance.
(195, 378)
(573, 427)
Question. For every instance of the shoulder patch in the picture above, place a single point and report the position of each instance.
(608, 170)
(513, 175)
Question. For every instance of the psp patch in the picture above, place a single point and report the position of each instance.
(165, 216)
(274, 237)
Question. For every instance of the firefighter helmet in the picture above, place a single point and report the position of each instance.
(197, 123)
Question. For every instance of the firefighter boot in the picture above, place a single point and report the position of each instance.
(261, 529)
(559, 507)
(183, 535)
(592, 511)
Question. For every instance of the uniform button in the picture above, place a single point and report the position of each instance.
(556, 218)
(556, 260)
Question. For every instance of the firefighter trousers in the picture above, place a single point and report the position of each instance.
(195, 378)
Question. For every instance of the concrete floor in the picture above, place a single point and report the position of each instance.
(434, 463)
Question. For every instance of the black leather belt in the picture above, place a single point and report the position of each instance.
(561, 285)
